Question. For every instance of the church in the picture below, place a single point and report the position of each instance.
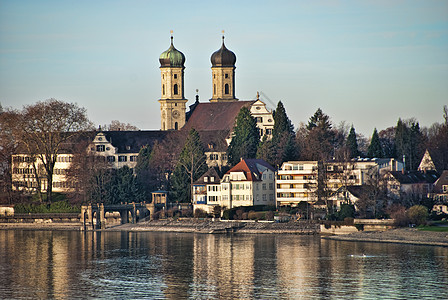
(221, 110)
(214, 120)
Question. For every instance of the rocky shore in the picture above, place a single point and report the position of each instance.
(215, 227)
(399, 235)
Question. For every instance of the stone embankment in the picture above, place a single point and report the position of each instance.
(399, 235)
(209, 226)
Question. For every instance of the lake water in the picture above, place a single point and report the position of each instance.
(146, 265)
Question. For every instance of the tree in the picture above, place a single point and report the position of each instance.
(375, 149)
(191, 164)
(282, 147)
(352, 144)
(245, 138)
(409, 142)
(116, 125)
(316, 139)
(43, 128)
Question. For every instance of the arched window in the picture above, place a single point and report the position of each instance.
(176, 89)
(226, 89)
(163, 89)
(176, 126)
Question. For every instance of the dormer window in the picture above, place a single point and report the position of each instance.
(212, 179)
(205, 179)
(211, 146)
(128, 148)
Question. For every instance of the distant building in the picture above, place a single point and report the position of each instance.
(250, 182)
(440, 194)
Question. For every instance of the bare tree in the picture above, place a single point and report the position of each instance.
(116, 125)
(43, 128)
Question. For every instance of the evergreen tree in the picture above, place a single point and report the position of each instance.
(282, 146)
(245, 138)
(375, 149)
(317, 138)
(191, 165)
(352, 143)
(409, 142)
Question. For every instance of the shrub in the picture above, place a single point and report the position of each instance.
(199, 213)
(398, 213)
(417, 214)
(256, 215)
(346, 211)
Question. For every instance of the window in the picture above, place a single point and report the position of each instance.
(214, 89)
(264, 176)
(175, 76)
(122, 158)
(264, 197)
(259, 119)
(213, 156)
(176, 89)
(260, 131)
(226, 75)
(271, 197)
(212, 179)
(163, 89)
(269, 131)
(226, 89)
(264, 186)
(224, 157)
(100, 148)
(301, 167)
(176, 126)
(133, 158)
(271, 186)
(111, 158)
(205, 179)
(445, 188)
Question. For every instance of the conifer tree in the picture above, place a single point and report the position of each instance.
(245, 138)
(409, 142)
(375, 149)
(352, 143)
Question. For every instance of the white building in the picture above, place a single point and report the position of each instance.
(250, 182)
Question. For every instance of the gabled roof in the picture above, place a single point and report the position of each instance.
(210, 173)
(133, 141)
(443, 180)
(215, 116)
(252, 168)
(415, 177)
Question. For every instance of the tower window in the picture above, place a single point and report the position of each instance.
(176, 89)
(214, 89)
(227, 75)
(163, 89)
(176, 126)
(175, 76)
(226, 89)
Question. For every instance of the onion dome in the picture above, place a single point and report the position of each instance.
(172, 57)
(223, 57)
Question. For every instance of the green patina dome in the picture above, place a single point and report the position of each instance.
(172, 57)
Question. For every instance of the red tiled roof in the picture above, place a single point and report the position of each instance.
(252, 168)
(215, 116)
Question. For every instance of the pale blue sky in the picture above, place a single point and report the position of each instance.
(363, 62)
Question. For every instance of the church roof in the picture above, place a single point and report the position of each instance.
(223, 57)
(172, 57)
(216, 115)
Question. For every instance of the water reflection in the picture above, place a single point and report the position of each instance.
(121, 265)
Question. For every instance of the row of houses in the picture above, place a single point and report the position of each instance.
(254, 182)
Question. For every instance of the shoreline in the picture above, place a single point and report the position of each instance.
(411, 236)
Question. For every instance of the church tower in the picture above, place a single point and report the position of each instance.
(172, 102)
(223, 75)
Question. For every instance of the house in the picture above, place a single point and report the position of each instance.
(207, 191)
(298, 181)
(410, 185)
(249, 183)
(440, 194)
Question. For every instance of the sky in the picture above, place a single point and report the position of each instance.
(367, 63)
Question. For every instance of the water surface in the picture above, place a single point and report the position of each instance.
(147, 265)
